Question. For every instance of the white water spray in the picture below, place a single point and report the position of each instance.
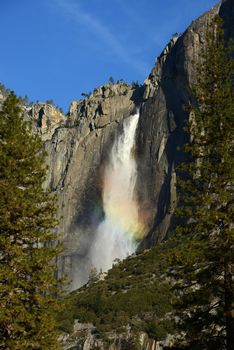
(116, 235)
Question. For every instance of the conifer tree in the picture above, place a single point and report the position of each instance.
(204, 254)
(28, 292)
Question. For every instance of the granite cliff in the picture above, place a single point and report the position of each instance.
(78, 145)
(161, 132)
(159, 141)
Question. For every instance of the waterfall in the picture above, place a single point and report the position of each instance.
(116, 235)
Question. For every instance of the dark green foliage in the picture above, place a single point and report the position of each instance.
(133, 294)
(24, 100)
(86, 95)
(203, 258)
(50, 102)
(5, 92)
(120, 81)
(135, 84)
(28, 289)
(158, 329)
(60, 109)
(111, 80)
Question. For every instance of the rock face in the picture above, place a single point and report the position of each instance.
(84, 337)
(77, 146)
(46, 118)
(160, 132)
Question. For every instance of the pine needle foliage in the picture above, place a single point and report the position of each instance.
(134, 296)
(203, 257)
(28, 288)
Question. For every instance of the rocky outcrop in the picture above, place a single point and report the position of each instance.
(77, 146)
(160, 138)
(161, 128)
(46, 118)
(85, 337)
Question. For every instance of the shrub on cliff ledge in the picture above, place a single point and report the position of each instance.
(28, 292)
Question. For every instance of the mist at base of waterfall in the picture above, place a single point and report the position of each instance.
(115, 237)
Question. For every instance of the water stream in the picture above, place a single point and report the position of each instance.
(116, 235)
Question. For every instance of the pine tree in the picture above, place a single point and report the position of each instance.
(28, 291)
(204, 253)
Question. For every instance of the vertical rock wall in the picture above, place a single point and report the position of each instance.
(161, 132)
(77, 146)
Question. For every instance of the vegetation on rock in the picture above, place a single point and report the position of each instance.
(134, 295)
(189, 278)
(204, 254)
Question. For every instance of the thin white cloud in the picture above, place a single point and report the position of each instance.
(132, 14)
(102, 32)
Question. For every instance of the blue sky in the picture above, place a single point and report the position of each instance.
(57, 49)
